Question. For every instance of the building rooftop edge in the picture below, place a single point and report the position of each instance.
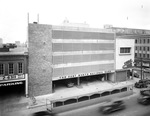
(74, 28)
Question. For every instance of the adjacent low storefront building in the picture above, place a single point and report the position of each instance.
(13, 71)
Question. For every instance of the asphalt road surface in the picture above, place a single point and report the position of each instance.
(132, 109)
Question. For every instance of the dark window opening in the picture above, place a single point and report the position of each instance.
(83, 98)
(20, 67)
(1, 69)
(11, 68)
(125, 50)
(105, 93)
(70, 101)
(115, 91)
(56, 104)
(124, 89)
(94, 96)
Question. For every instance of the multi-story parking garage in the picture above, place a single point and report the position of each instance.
(59, 55)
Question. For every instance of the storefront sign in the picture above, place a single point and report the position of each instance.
(146, 64)
(10, 84)
(10, 77)
(85, 74)
(128, 64)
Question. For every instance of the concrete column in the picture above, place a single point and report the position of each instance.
(26, 85)
(78, 81)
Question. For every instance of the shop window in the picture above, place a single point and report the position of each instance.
(11, 68)
(125, 50)
(1, 69)
(20, 67)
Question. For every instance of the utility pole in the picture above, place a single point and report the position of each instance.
(141, 69)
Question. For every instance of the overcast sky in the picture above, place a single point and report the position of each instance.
(97, 13)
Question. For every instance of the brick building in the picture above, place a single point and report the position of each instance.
(13, 71)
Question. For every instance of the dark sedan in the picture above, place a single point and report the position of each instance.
(112, 106)
(142, 83)
(145, 92)
(145, 100)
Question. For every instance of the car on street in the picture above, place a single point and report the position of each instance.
(43, 113)
(112, 106)
(145, 100)
(145, 92)
(142, 83)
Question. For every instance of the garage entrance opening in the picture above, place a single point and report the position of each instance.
(12, 89)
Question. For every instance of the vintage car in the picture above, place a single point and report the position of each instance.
(112, 106)
(142, 83)
(145, 92)
(145, 100)
(43, 113)
(69, 84)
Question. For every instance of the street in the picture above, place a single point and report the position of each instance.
(132, 109)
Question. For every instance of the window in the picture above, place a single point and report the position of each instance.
(11, 68)
(147, 55)
(147, 48)
(147, 40)
(1, 69)
(143, 55)
(144, 41)
(135, 48)
(125, 50)
(136, 41)
(140, 41)
(143, 48)
(20, 67)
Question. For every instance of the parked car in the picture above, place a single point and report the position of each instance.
(135, 74)
(145, 100)
(113, 106)
(69, 83)
(145, 92)
(142, 83)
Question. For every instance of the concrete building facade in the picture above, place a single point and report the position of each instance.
(63, 53)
